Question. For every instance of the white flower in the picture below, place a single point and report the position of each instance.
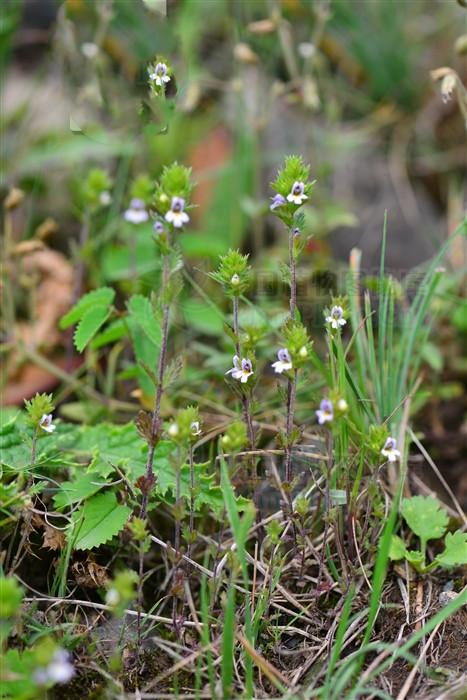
(283, 363)
(112, 597)
(448, 85)
(336, 318)
(303, 352)
(195, 429)
(173, 430)
(59, 670)
(105, 198)
(389, 450)
(325, 413)
(158, 227)
(159, 74)
(306, 49)
(342, 405)
(297, 193)
(136, 213)
(241, 371)
(89, 49)
(176, 215)
(46, 423)
(235, 280)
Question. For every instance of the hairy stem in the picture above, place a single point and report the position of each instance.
(245, 400)
(291, 383)
(155, 428)
(156, 415)
(192, 498)
(177, 539)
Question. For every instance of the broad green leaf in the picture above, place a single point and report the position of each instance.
(397, 550)
(88, 326)
(140, 309)
(425, 517)
(202, 317)
(103, 296)
(85, 484)
(98, 520)
(455, 552)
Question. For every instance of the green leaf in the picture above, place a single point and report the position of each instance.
(85, 484)
(114, 331)
(425, 517)
(103, 296)
(455, 551)
(140, 309)
(203, 317)
(98, 520)
(397, 549)
(90, 323)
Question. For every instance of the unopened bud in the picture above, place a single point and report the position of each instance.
(14, 198)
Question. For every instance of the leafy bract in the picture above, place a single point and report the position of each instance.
(98, 520)
(103, 296)
(455, 552)
(398, 549)
(425, 517)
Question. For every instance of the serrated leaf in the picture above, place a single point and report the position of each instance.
(425, 517)
(141, 311)
(90, 323)
(98, 520)
(86, 484)
(103, 296)
(455, 550)
(397, 549)
(114, 331)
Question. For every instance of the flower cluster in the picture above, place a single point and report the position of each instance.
(186, 427)
(39, 410)
(172, 195)
(292, 189)
(235, 437)
(96, 189)
(233, 273)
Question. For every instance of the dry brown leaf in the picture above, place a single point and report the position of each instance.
(52, 538)
(89, 574)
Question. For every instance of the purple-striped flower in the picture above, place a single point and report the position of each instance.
(241, 370)
(277, 201)
(336, 317)
(46, 423)
(158, 227)
(284, 361)
(325, 412)
(176, 214)
(159, 74)
(297, 193)
(390, 450)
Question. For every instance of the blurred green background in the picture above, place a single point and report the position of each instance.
(346, 84)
